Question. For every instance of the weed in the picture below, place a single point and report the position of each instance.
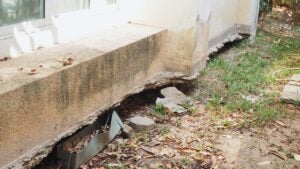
(190, 108)
(186, 162)
(159, 109)
(178, 122)
(226, 82)
(163, 129)
(227, 123)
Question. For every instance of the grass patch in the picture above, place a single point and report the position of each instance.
(226, 83)
(159, 110)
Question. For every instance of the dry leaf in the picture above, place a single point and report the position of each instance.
(68, 61)
(32, 72)
(281, 123)
(5, 59)
(264, 163)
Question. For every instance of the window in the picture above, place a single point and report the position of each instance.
(14, 11)
(63, 6)
(51, 22)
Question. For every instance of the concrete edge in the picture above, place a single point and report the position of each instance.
(32, 158)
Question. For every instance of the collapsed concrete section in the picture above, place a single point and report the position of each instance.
(38, 109)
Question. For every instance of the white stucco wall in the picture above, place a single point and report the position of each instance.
(224, 16)
(201, 24)
(171, 14)
(194, 26)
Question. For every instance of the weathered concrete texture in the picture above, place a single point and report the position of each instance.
(218, 42)
(37, 111)
(169, 106)
(173, 94)
(140, 123)
(291, 92)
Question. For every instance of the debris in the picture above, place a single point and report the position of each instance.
(174, 95)
(32, 72)
(264, 163)
(78, 144)
(5, 59)
(296, 156)
(170, 106)
(281, 123)
(148, 150)
(252, 98)
(291, 92)
(127, 131)
(90, 142)
(141, 123)
(187, 148)
(67, 61)
(277, 154)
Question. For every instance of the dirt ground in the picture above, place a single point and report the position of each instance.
(198, 141)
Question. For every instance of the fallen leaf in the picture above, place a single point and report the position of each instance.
(148, 150)
(68, 61)
(5, 59)
(168, 165)
(32, 72)
(264, 163)
(277, 154)
(282, 124)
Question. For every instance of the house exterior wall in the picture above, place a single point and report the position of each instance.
(195, 27)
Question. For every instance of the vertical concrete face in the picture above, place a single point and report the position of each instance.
(37, 111)
(181, 20)
(247, 16)
(223, 18)
(194, 26)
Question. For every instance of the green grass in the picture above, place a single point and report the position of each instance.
(226, 82)
(159, 110)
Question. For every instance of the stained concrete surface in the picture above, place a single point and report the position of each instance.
(291, 91)
(38, 110)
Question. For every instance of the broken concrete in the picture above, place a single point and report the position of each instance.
(169, 106)
(127, 131)
(176, 96)
(291, 92)
(104, 72)
(140, 123)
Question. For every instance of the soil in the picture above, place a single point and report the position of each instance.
(198, 141)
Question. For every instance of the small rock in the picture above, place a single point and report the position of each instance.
(170, 106)
(127, 131)
(264, 163)
(252, 98)
(174, 95)
(291, 91)
(141, 123)
(296, 156)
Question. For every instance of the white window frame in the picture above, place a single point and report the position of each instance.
(50, 8)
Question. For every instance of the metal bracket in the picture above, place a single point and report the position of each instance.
(96, 144)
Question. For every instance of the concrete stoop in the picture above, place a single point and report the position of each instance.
(39, 109)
